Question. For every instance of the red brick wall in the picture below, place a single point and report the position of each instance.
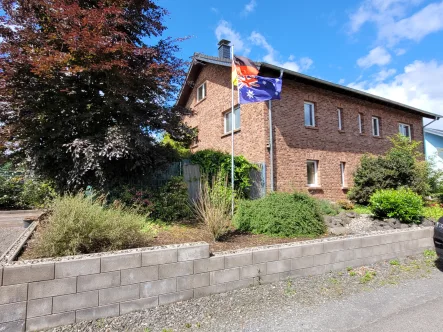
(294, 143)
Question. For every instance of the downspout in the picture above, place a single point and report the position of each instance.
(424, 142)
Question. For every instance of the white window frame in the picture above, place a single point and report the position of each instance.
(237, 125)
(376, 128)
(339, 115)
(315, 184)
(311, 115)
(343, 174)
(404, 125)
(360, 124)
(203, 87)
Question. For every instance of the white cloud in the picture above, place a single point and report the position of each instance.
(393, 25)
(400, 51)
(341, 81)
(419, 85)
(250, 7)
(384, 74)
(377, 56)
(271, 57)
(224, 31)
(214, 10)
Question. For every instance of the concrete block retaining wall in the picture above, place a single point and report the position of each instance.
(34, 296)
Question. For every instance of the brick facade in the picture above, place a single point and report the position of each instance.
(294, 143)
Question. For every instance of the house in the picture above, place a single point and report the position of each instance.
(320, 129)
(434, 147)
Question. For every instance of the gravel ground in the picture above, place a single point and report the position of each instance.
(257, 308)
(8, 235)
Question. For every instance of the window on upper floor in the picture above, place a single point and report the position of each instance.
(312, 170)
(375, 126)
(405, 130)
(361, 127)
(340, 118)
(229, 120)
(201, 92)
(309, 114)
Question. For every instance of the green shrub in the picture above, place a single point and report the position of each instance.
(10, 192)
(345, 204)
(36, 194)
(212, 162)
(402, 166)
(435, 211)
(402, 204)
(281, 214)
(82, 225)
(213, 206)
(328, 208)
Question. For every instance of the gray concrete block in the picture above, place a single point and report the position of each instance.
(140, 274)
(290, 252)
(118, 294)
(223, 276)
(267, 279)
(352, 243)
(209, 290)
(175, 269)
(75, 301)
(209, 264)
(265, 255)
(334, 257)
(193, 281)
(371, 240)
(302, 262)
(335, 245)
(193, 252)
(419, 233)
(98, 281)
(110, 310)
(17, 326)
(39, 307)
(37, 290)
(310, 271)
(312, 249)
(236, 260)
(27, 273)
(160, 256)
(252, 271)
(175, 297)
(278, 266)
(46, 322)
(239, 284)
(12, 311)
(381, 249)
(388, 238)
(13, 293)
(425, 243)
(1, 275)
(361, 253)
(154, 288)
(121, 262)
(335, 266)
(140, 304)
(74, 268)
(404, 236)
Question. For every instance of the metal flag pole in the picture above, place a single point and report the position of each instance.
(271, 146)
(232, 132)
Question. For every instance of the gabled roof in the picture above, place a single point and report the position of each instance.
(433, 131)
(199, 60)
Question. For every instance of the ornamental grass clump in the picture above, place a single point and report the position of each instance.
(402, 204)
(80, 225)
(213, 206)
(281, 214)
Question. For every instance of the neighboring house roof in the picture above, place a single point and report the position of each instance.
(199, 60)
(432, 131)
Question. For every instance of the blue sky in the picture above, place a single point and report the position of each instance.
(391, 48)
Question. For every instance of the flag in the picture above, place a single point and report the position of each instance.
(253, 89)
(242, 66)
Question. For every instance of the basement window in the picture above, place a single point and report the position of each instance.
(312, 168)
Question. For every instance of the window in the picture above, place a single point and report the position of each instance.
(375, 126)
(228, 120)
(360, 123)
(194, 141)
(309, 114)
(201, 92)
(339, 115)
(343, 174)
(312, 166)
(405, 130)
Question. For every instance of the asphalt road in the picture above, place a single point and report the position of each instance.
(413, 306)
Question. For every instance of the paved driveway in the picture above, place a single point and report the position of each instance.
(11, 226)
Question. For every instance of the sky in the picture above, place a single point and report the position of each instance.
(390, 48)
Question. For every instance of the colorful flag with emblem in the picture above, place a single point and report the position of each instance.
(242, 66)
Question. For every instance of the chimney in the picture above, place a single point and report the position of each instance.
(224, 49)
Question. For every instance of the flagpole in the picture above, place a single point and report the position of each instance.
(271, 146)
(232, 137)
